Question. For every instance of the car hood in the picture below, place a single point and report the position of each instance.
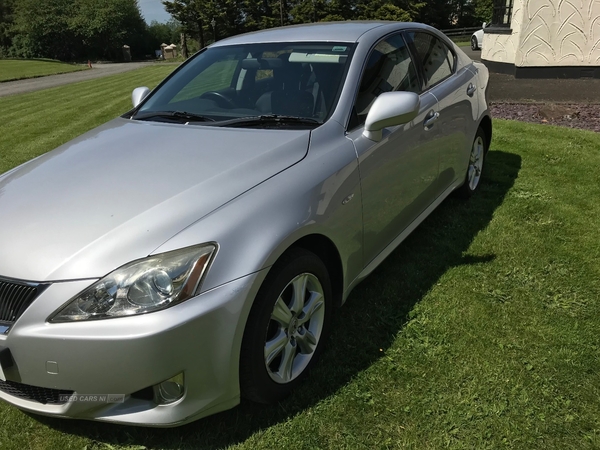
(118, 192)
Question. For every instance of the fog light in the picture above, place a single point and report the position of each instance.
(170, 390)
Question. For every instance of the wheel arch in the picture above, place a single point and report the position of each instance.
(486, 125)
(327, 252)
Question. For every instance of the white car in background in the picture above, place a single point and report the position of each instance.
(477, 38)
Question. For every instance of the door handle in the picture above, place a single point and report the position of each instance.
(471, 89)
(431, 118)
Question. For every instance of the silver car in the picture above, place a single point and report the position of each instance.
(194, 250)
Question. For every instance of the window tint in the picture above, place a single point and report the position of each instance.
(302, 79)
(389, 68)
(436, 57)
(216, 77)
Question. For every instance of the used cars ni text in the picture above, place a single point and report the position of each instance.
(193, 251)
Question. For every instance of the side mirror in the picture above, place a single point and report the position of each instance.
(138, 95)
(484, 25)
(390, 109)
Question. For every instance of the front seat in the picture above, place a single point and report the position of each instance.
(290, 99)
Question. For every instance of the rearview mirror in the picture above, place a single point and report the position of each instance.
(390, 109)
(484, 25)
(138, 95)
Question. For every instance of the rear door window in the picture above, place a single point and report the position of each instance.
(437, 59)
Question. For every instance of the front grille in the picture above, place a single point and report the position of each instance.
(15, 298)
(45, 396)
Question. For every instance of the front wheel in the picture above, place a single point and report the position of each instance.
(475, 168)
(474, 43)
(286, 328)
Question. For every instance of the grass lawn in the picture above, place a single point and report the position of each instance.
(482, 330)
(19, 69)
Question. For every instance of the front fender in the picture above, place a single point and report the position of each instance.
(311, 197)
(256, 228)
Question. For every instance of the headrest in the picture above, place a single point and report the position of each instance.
(262, 63)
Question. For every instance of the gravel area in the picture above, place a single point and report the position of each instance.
(584, 116)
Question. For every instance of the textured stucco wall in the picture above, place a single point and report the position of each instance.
(549, 33)
(503, 47)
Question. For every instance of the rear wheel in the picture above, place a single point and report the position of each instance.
(286, 328)
(475, 169)
(474, 43)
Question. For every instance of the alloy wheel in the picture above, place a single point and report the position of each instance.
(295, 328)
(476, 162)
(474, 43)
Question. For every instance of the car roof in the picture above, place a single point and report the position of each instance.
(349, 31)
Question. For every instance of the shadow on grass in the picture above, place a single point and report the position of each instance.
(372, 317)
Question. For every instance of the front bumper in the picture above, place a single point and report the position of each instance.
(200, 337)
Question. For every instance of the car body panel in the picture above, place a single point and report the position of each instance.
(154, 348)
(478, 36)
(130, 189)
(256, 228)
(456, 125)
(222, 162)
(398, 177)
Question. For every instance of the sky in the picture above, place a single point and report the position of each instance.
(153, 10)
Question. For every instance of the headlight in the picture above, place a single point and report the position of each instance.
(142, 286)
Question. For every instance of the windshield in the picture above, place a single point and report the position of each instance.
(253, 81)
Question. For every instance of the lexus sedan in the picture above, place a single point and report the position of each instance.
(194, 250)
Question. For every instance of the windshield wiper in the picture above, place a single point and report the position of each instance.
(269, 119)
(176, 115)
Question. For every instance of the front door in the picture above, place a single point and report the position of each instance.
(399, 173)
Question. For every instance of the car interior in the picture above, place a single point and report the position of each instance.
(292, 84)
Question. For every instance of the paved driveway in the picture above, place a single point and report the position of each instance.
(98, 71)
(475, 55)
(507, 88)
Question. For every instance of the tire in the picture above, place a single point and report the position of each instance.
(286, 328)
(475, 167)
(474, 43)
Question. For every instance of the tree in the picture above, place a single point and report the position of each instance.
(42, 29)
(6, 25)
(70, 29)
(329, 10)
(159, 33)
(455, 13)
(483, 11)
(104, 27)
(190, 14)
(196, 17)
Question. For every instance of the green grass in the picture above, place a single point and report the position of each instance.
(19, 69)
(482, 330)
(37, 122)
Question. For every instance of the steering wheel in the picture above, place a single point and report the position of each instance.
(220, 99)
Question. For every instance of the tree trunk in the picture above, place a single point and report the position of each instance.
(201, 33)
(184, 49)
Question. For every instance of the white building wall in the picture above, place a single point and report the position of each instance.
(548, 33)
(503, 47)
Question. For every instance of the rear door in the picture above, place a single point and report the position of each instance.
(454, 90)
